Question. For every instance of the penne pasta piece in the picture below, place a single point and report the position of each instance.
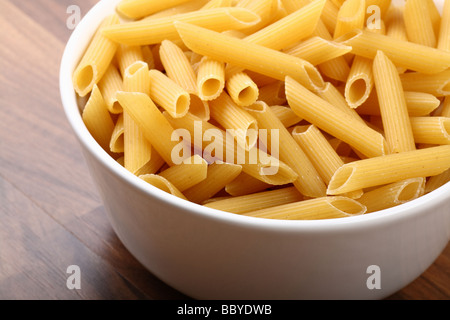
(294, 27)
(309, 182)
(351, 15)
(444, 30)
(419, 26)
(242, 89)
(265, 9)
(95, 60)
(418, 104)
(255, 162)
(273, 94)
(438, 181)
(109, 84)
(312, 209)
(245, 184)
(162, 184)
(336, 68)
(168, 94)
(317, 50)
(153, 165)
(218, 176)
(435, 16)
(185, 7)
(257, 201)
(285, 114)
(390, 168)
(330, 119)
(426, 59)
(217, 4)
(331, 94)
(242, 126)
(137, 149)
(395, 27)
(136, 9)
(248, 56)
(431, 130)
(179, 69)
(322, 155)
(153, 124)
(210, 78)
(127, 55)
(116, 143)
(97, 119)
(360, 82)
(152, 31)
(437, 84)
(394, 112)
(330, 15)
(393, 194)
(187, 174)
(445, 111)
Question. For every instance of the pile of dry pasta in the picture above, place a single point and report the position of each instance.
(353, 96)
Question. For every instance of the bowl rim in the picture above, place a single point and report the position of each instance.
(73, 50)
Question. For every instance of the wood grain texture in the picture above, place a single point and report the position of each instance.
(51, 215)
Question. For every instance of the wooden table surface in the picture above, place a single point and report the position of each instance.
(51, 215)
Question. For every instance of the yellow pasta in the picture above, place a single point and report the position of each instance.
(218, 176)
(394, 112)
(313, 209)
(419, 26)
(210, 78)
(116, 143)
(97, 119)
(187, 174)
(445, 112)
(309, 182)
(294, 27)
(437, 84)
(360, 82)
(265, 9)
(273, 94)
(179, 69)
(162, 184)
(426, 59)
(135, 9)
(277, 109)
(242, 89)
(351, 16)
(153, 124)
(127, 55)
(333, 96)
(390, 168)
(95, 60)
(334, 121)
(137, 149)
(437, 181)
(262, 167)
(444, 31)
(246, 184)
(248, 56)
(417, 103)
(257, 201)
(431, 130)
(393, 194)
(317, 50)
(336, 68)
(285, 114)
(168, 94)
(152, 31)
(238, 121)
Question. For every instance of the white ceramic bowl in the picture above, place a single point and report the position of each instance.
(209, 254)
